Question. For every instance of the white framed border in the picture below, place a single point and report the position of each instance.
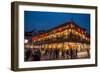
(33, 64)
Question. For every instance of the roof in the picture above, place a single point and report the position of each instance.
(62, 25)
(67, 23)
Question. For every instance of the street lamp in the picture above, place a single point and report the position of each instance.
(26, 41)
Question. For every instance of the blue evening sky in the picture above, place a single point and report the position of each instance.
(47, 20)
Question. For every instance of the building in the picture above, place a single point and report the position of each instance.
(64, 37)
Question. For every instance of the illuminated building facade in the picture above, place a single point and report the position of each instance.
(63, 37)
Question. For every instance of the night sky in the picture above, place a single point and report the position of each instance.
(35, 20)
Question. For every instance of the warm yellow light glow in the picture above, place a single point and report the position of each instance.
(60, 45)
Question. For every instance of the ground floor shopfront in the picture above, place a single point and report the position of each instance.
(60, 51)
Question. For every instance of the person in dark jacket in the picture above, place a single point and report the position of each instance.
(28, 53)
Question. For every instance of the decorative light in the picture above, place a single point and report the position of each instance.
(26, 41)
